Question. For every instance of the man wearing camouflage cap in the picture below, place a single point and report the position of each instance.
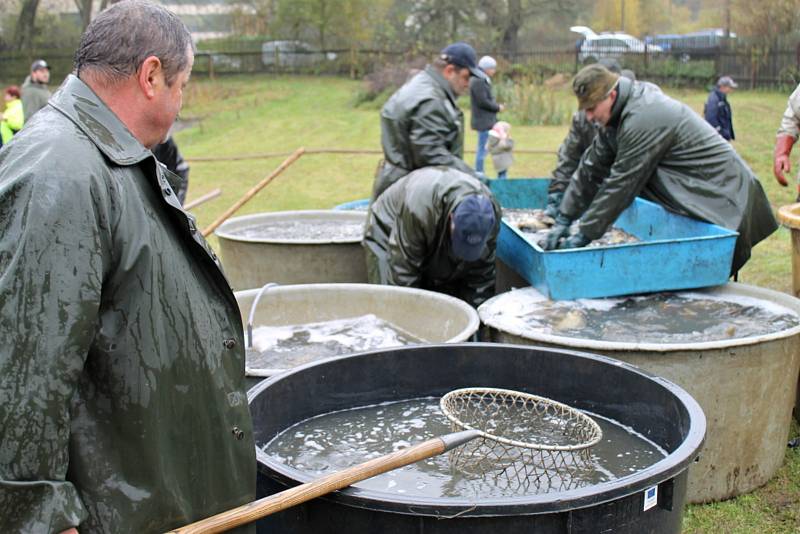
(653, 146)
(580, 136)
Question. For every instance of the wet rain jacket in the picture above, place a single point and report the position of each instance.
(122, 394)
(421, 125)
(34, 97)
(660, 149)
(407, 236)
(178, 177)
(580, 136)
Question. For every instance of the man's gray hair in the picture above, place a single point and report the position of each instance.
(118, 40)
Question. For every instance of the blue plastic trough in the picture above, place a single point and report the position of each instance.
(361, 204)
(675, 252)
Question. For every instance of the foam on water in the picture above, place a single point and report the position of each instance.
(303, 230)
(338, 440)
(283, 347)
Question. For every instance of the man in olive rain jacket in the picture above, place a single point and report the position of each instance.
(421, 124)
(656, 147)
(435, 229)
(122, 397)
(580, 136)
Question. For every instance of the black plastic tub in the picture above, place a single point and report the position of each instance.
(654, 407)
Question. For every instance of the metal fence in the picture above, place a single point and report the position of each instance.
(752, 67)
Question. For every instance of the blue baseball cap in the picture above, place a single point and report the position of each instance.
(462, 55)
(473, 220)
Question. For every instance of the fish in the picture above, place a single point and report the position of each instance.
(573, 320)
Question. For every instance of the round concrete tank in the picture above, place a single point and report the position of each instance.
(425, 315)
(746, 386)
(254, 261)
(646, 405)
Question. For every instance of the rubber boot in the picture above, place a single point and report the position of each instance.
(783, 147)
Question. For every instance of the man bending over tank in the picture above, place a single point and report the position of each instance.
(435, 229)
(122, 394)
(656, 147)
(579, 138)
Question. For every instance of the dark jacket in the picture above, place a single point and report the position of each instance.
(659, 148)
(719, 115)
(484, 107)
(421, 125)
(580, 136)
(168, 154)
(34, 97)
(122, 392)
(407, 236)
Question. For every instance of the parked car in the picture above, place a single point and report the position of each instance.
(292, 54)
(593, 46)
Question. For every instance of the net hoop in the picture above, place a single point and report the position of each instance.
(595, 434)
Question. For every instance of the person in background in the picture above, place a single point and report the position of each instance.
(12, 117)
(653, 146)
(500, 145)
(436, 229)
(579, 137)
(788, 132)
(168, 154)
(717, 110)
(484, 107)
(35, 92)
(123, 399)
(421, 124)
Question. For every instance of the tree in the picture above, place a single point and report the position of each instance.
(24, 31)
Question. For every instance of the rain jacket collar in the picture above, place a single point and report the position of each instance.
(81, 105)
(624, 87)
(433, 73)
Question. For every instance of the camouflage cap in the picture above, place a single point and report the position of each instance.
(593, 84)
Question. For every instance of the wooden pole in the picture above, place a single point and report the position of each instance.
(324, 485)
(254, 190)
(205, 198)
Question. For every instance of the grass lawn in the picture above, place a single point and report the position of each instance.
(256, 115)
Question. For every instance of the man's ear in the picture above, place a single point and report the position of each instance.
(151, 76)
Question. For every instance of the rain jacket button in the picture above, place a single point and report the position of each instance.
(229, 343)
(238, 433)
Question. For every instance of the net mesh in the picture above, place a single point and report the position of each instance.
(526, 440)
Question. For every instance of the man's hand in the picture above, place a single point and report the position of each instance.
(575, 241)
(72, 530)
(553, 203)
(502, 108)
(781, 164)
(559, 230)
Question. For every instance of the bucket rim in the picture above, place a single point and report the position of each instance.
(225, 230)
(732, 288)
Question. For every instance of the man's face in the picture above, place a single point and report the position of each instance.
(458, 78)
(169, 100)
(726, 89)
(41, 75)
(600, 113)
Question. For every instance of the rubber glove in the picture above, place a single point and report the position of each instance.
(553, 203)
(575, 241)
(560, 229)
(781, 164)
